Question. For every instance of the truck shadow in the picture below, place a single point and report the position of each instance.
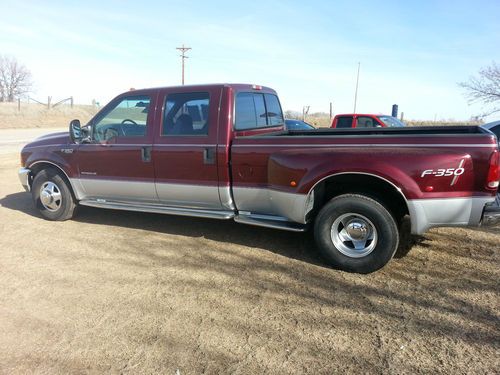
(298, 246)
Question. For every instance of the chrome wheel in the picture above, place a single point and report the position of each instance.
(50, 196)
(354, 235)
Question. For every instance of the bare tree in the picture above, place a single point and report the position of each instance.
(485, 88)
(15, 79)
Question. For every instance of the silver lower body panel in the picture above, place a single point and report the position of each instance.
(449, 212)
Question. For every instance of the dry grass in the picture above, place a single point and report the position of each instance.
(121, 292)
(38, 116)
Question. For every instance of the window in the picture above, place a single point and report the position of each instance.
(391, 121)
(366, 122)
(186, 114)
(274, 113)
(251, 111)
(496, 130)
(344, 122)
(127, 119)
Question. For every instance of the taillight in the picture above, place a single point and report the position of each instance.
(494, 171)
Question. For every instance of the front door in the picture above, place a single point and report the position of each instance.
(118, 165)
(185, 149)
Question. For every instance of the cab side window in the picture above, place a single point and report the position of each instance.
(365, 122)
(344, 122)
(256, 110)
(128, 118)
(186, 114)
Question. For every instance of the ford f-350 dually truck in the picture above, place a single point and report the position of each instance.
(220, 151)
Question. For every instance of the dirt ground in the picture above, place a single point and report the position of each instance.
(120, 292)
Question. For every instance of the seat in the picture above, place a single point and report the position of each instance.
(183, 125)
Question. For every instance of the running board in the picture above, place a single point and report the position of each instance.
(154, 208)
(269, 221)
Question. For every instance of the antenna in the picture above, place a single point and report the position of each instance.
(356, 92)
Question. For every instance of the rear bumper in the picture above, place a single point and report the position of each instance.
(491, 213)
(24, 177)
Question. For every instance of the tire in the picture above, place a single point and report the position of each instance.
(52, 196)
(356, 233)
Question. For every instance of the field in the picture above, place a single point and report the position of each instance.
(119, 292)
(37, 116)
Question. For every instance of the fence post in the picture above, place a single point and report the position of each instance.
(48, 102)
(19, 104)
(71, 102)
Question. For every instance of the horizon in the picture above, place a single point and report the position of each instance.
(412, 55)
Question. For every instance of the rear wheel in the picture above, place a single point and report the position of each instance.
(52, 196)
(356, 233)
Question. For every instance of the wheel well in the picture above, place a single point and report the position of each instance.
(374, 187)
(38, 167)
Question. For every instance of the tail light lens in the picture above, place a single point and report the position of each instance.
(494, 171)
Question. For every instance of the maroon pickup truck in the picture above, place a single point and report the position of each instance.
(221, 151)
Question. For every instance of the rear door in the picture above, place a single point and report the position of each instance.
(185, 148)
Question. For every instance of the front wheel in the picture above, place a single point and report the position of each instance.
(52, 196)
(356, 233)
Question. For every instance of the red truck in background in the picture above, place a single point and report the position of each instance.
(221, 151)
(358, 120)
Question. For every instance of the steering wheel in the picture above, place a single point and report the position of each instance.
(129, 120)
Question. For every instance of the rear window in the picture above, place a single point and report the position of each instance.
(256, 110)
(344, 122)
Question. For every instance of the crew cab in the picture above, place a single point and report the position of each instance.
(221, 151)
(357, 120)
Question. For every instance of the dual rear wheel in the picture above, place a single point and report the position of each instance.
(356, 233)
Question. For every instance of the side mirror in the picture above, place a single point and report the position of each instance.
(75, 131)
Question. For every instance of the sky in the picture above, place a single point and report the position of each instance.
(411, 53)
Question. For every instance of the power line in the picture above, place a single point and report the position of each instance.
(183, 56)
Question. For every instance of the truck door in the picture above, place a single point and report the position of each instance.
(117, 164)
(185, 148)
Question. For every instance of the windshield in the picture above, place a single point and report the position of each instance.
(391, 121)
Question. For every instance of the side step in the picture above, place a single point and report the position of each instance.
(268, 221)
(158, 209)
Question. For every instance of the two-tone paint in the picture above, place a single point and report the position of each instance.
(269, 176)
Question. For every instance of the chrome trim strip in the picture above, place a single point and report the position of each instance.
(338, 145)
(118, 144)
(183, 145)
(446, 212)
(154, 208)
(24, 175)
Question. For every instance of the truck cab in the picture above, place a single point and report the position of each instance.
(357, 120)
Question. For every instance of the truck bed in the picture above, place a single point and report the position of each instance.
(400, 132)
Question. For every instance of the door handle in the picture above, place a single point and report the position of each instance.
(209, 155)
(146, 154)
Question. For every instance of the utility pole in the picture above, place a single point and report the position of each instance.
(183, 57)
(356, 92)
